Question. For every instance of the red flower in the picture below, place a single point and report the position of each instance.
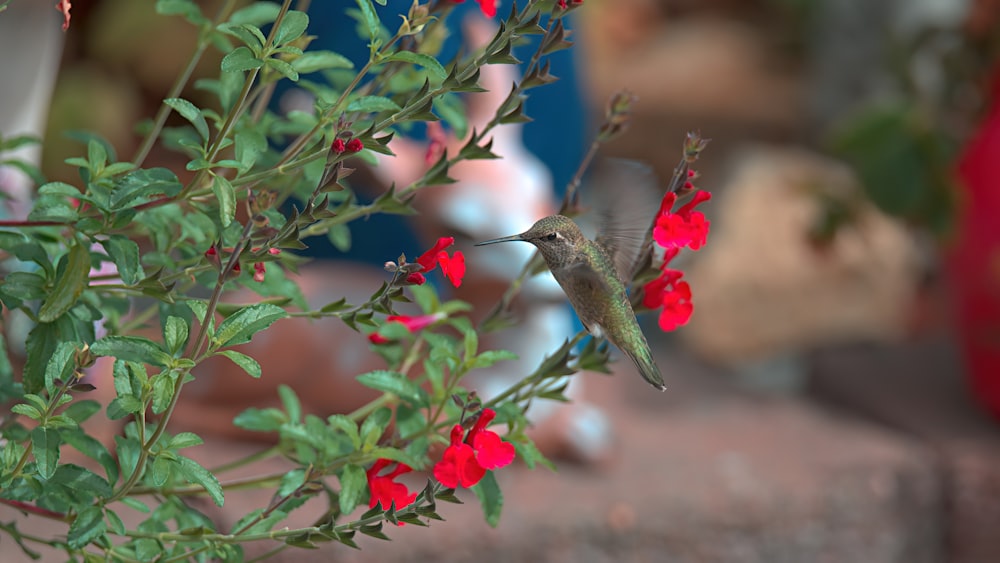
(686, 227)
(355, 145)
(384, 489)
(416, 278)
(438, 141)
(338, 146)
(488, 7)
(413, 324)
(463, 464)
(452, 266)
(458, 466)
(673, 295)
(258, 271)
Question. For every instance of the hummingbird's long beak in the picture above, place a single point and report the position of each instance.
(501, 239)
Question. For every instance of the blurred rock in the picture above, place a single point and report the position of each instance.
(762, 288)
(918, 388)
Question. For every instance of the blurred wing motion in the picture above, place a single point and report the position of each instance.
(626, 193)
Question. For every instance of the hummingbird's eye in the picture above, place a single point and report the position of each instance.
(551, 236)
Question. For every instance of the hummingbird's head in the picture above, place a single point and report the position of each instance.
(556, 237)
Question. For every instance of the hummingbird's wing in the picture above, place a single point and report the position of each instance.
(626, 193)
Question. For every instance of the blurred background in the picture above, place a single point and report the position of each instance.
(836, 393)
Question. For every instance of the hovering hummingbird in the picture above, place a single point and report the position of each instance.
(593, 273)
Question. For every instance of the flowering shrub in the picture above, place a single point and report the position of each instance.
(179, 247)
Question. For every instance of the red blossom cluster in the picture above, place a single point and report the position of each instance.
(470, 455)
(674, 231)
(452, 266)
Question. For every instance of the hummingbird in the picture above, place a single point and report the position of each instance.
(593, 274)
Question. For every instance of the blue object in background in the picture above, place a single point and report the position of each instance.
(556, 136)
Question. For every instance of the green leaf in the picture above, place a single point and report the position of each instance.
(395, 383)
(190, 112)
(97, 155)
(242, 325)
(45, 444)
(159, 470)
(347, 426)
(284, 68)
(426, 61)
(86, 527)
(353, 485)
(249, 34)
(258, 13)
(69, 285)
(292, 27)
(142, 184)
(188, 9)
(115, 521)
(185, 440)
(198, 475)
(125, 254)
(60, 365)
(226, 196)
(164, 385)
(374, 426)
(291, 403)
(490, 497)
(370, 18)
(80, 411)
(240, 59)
(92, 448)
(26, 410)
(373, 104)
(490, 357)
(132, 349)
(261, 420)
(122, 406)
(248, 364)
(312, 61)
(175, 334)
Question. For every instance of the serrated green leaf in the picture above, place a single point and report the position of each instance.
(225, 194)
(175, 334)
(257, 14)
(284, 68)
(490, 357)
(45, 444)
(291, 403)
(198, 475)
(490, 497)
(60, 365)
(261, 420)
(159, 470)
(86, 527)
(115, 522)
(370, 17)
(26, 410)
(240, 59)
(125, 254)
(242, 325)
(142, 184)
(80, 411)
(163, 392)
(92, 448)
(395, 383)
(249, 34)
(373, 104)
(190, 112)
(131, 349)
(68, 286)
(248, 364)
(312, 61)
(120, 407)
(426, 61)
(292, 27)
(347, 426)
(374, 426)
(353, 485)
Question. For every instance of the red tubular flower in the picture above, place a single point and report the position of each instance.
(673, 295)
(416, 278)
(458, 466)
(384, 488)
(258, 271)
(686, 227)
(470, 455)
(452, 266)
(413, 324)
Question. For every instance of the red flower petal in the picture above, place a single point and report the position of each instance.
(453, 267)
(488, 7)
(64, 7)
(355, 145)
(419, 322)
(458, 466)
(677, 307)
(416, 278)
(384, 489)
(491, 451)
(429, 259)
(338, 146)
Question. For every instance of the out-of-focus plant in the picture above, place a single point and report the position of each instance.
(904, 145)
(131, 251)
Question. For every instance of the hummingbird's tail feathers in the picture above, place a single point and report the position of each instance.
(648, 369)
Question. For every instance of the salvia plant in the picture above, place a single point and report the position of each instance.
(178, 249)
